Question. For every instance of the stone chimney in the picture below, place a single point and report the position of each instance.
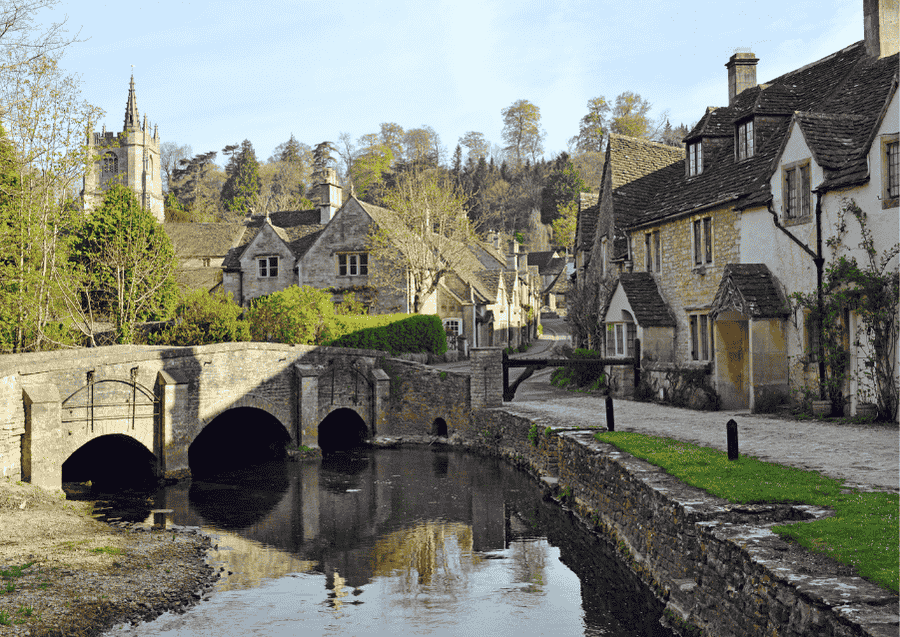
(880, 27)
(741, 73)
(331, 196)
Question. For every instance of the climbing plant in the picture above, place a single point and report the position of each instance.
(872, 292)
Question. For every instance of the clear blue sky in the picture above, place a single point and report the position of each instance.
(216, 73)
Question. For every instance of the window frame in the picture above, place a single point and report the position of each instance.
(267, 267)
(109, 159)
(457, 328)
(796, 191)
(701, 337)
(648, 251)
(702, 253)
(744, 146)
(620, 337)
(657, 250)
(694, 158)
(353, 264)
(888, 177)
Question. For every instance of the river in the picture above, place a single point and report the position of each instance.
(395, 542)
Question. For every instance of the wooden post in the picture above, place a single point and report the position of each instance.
(731, 432)
(505, 374)
(610, 416)
(637, 363)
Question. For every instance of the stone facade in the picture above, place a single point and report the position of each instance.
(130, 158)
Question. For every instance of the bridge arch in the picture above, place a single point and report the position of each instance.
(282, 413)
(235, 438)
(111, 462)
(342, 428)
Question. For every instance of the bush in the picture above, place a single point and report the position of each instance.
(295, 315)
(416, 333)
(203, 318)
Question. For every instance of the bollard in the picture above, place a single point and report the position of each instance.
(610, 416)
(731, 431)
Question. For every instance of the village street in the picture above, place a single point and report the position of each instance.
(865, 456)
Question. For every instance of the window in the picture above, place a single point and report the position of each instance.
(744, 144)
(648, 252)
(206, 263)
(890, 173)
(700, 337)
(353, 264)
(453, 326)
(603, 257)
(657, 249)
(695, 159)
(652, 251)
(620, 339)
(703, 252)
(796, 195)
(268, 267)
(110, 163)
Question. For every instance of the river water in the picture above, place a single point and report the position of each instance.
(396, 542)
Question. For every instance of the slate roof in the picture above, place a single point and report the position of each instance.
(297, 228)
(751, 289)
(201, 240)
(836, 101)
(547, 263)
(647, 304)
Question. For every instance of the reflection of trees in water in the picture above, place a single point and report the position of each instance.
(430, 555)
(529, 559)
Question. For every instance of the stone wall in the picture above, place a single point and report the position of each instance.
(717, 566)
(419, 395)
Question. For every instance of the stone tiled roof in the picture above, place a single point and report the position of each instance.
(839, 98)
(752, 290)
(197, 240)
(297, 228)
(548, 265)
(209, 279)
(647, 304)
(490, 282)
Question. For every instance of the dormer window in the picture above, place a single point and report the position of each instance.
(744, 145)
(695, 159)
(796, 194)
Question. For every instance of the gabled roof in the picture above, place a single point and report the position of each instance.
(297, 228)
(837, 101)
(548, 262)
(751, 289)
(195, 240)
(647, 304)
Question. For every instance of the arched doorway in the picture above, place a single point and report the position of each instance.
(111, 463)
(237, 438)
(342, 429)
(439, 427)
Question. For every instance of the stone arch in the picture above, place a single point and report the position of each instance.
(111, 462)
(342, 428)
(439, 427)
(282, 413)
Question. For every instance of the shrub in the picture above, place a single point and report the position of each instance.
(295, 315)
(416, 333)
(203, 318)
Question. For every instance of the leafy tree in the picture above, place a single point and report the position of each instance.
(369, 169)
(127, 263)
(593, 126)
(240, 192)
(561, 188)
(476, 144)
(522, 130)
(20, 42)
(422, 148)
(422, 237)
(45, 154)
(170, 154)
(391, 135)
(296, 315)
(197, 183)
(564, 226)
(202, 318)
(630, 116)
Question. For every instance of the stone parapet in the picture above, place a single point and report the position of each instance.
(487, 377)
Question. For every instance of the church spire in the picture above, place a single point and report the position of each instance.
(132, 119)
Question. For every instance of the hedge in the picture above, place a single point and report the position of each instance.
(394, 333)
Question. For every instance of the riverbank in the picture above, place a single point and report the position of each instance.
(64, 573)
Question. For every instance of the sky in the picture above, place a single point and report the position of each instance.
(211, 74)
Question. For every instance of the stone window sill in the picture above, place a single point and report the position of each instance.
(796, 221)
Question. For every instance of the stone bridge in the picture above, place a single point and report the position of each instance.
(163, 398)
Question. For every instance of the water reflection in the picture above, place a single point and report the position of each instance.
(407, 541)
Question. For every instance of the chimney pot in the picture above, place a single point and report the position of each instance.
(741, 73)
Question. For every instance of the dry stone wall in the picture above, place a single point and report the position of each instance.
(718, 567)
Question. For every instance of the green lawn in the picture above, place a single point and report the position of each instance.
(863, 532)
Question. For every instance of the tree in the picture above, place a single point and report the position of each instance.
(197, 183)
(422, 147)
(20, 43)
(170, 154)
(45, 156)
(127, 263)
(203, 318)
(522, 130)
(369, 168)
(391, 135)
(240, 192)
(476, 144)
(561, 188)
(592, 127)
(422, 237)
(295, 315)
(629, 116)
(322, 158)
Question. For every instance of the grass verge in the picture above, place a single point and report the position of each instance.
(863, 532)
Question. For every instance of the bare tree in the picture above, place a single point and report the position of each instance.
(21, 41)
(170, 154)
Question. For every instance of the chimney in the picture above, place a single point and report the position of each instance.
(741, 73)
(330, 195)
(880, 27)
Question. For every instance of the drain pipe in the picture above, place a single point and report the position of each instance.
(819, 262)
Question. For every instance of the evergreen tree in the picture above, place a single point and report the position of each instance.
(240, 193)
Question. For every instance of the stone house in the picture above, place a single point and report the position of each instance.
(201, 249)
(736, 227)
(553, 270)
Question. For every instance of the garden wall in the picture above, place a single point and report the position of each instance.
(717, 566)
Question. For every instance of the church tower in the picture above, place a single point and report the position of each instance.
(130, 158)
